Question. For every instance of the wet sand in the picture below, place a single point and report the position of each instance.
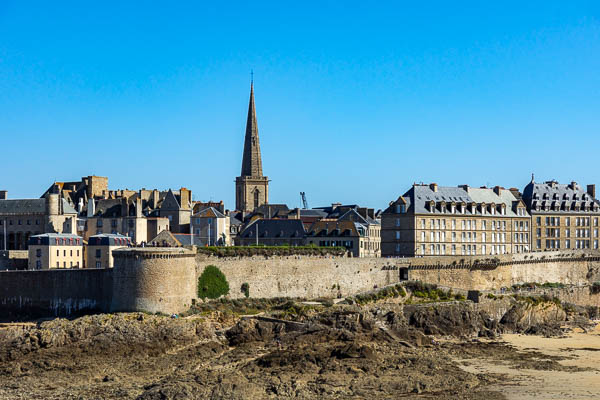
(579, 353)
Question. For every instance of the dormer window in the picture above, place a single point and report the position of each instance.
(453, 209)
(503, 209)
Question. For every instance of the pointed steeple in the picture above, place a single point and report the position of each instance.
(251, 162)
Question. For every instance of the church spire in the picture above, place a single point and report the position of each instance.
(251, 161)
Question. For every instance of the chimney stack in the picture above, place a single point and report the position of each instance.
(591, 190)
(3, 194)
(498, 190)
(433, 187)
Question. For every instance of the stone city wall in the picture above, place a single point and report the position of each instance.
(300, 276)
(12, 260)
(54, 292)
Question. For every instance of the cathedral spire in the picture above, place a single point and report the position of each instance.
(251, 161)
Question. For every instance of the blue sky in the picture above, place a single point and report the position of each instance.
(355, 101)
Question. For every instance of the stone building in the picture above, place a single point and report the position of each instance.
(338, 234)
(55, 250)
(430, 220)
(77, 193)
(273, 232)
(251, 187)
(212, 227)
(564, 216)
(368, 226)
(100, 249)
(22, 218)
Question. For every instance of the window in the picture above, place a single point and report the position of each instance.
(397, 221)
(422, 236)
(483, 249)
(403, 208)
(57, 264)
(38, 252)
(453, 224)
(453, 249)
(538, 244)
(98, 264)
(99, 223)
(538, 220)
(568, 221)
(483, 223)
(256, 198)
(77, 253)
(423, 249)
(483, 234)
(38, 264)
(71, 253)
(57, 253)
(98, 253)
(432, 249)
(422, 224)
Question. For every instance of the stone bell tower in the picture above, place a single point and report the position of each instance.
(251, 188)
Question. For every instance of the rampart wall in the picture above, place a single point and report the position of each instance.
(54, 292)
(299, 276)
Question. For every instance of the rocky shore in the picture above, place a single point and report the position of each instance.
(383, 349)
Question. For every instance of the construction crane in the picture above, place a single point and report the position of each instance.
(304, 202)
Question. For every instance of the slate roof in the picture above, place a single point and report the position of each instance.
(109, 239)
(30, 206)
(186, 239)
(275, 228)
(50, 239)
(566, 196)
(272, 210)
(418, 197)
(312, 213)
(333, 229)
(23, 206)
(209, 212)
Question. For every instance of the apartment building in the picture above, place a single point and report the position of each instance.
(563, 216)
(431, 220)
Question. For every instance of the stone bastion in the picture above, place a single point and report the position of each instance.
(153, 280)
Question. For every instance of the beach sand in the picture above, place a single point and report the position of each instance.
(569, 367)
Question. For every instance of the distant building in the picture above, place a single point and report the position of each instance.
(435, 220)
(251, 187)
(100, 248)
(564, 216)
(55, 250)
(337, 234)
(273, 232)
(212, 227)
(22, 218)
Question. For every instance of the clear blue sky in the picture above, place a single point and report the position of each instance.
(355, 100)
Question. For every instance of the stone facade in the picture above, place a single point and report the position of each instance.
(429, 220)
(22, 218)
(564, 216)
(51, 250)
(100, 249)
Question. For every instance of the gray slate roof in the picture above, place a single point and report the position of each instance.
(565, 196)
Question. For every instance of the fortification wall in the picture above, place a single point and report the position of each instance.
(153, 280)
(308, 277)
(12, 260)
(54, 292)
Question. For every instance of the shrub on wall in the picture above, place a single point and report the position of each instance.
(246, 289)
(212, 283)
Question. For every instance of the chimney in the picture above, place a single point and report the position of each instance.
(155, 198)
(515, 192)
(3, 194)
(138, 207)
(297, 213)
(574, 185)
(186, 198)
(591, 190)
(498, 190)
(433, 187)
(91, 210)
(80, 205)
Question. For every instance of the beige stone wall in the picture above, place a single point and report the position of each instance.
(106, 259)
(308, 277)
(316, 277)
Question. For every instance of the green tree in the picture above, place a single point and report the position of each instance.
(212, 283)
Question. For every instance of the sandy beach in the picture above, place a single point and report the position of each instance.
(576, 377)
